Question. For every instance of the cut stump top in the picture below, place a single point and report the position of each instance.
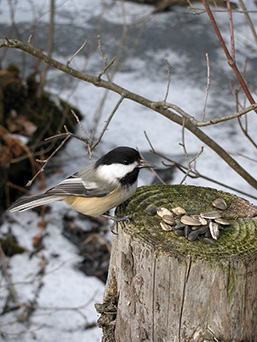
(237, 242)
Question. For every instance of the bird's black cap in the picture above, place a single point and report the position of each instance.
(122, 155)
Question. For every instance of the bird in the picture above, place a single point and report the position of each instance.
(97, 188)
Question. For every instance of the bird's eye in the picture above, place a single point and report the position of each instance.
(125, 162)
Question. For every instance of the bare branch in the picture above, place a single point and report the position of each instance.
(204, 123)
(230, 59)
(196, 174)
(189, 124)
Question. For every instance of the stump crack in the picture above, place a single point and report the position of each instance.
(153, 300)
(187, 273)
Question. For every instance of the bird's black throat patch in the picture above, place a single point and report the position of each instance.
(130, 178)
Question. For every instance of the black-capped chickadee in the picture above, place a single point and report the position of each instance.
(96, 189)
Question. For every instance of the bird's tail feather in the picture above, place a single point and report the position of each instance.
(30, 202)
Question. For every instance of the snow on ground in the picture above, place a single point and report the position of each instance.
(65, 297)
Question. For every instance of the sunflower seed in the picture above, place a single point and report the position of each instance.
(179, 225)
(169, 219)
(203, 221)
(180, 232)
(151, 211)
(220, 204)
(211, 215)
(195, 227)
(188, 220)
(214, 230)
(165, 226)
(193, 235)
(209, 241)
(178, 211)
(200, 219)
(207, 234)
(203, 229)
(222, 221)
(187, 231)
(195, 216)
(163, 211)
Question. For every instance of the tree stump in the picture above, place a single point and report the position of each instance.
(164, 288)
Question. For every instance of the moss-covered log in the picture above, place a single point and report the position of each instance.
(170, 289)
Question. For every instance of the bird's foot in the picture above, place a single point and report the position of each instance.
(117, 219)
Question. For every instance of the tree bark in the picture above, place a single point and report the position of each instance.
(162, 287)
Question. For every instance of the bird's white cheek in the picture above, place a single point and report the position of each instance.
(111, 173)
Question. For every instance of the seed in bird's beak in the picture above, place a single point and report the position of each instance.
(145, 163)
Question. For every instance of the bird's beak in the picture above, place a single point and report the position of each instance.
(145, 163)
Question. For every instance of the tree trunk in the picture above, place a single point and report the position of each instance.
(162, 287)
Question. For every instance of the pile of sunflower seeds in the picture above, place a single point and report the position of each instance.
(207, 224)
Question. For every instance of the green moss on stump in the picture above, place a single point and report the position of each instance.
(237, 241)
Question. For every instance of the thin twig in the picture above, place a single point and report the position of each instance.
(104, 59)
(73, 308)
(47, 160)
(8, 278)
(30, 39)
(99, 111)
(207, 86)
(108, 122)
(250, 23)
(104, 71)
(197, 174)
(230, 59)
(219, 10)
(79, 123)
(244, 130)
(168, 85)
(49, 49)
(76, 53)
(189, 161)
(153, 171)
(232, 40)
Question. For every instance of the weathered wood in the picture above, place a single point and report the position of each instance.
(162, 287)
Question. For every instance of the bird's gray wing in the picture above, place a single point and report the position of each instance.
(75, 186)
(82, 183)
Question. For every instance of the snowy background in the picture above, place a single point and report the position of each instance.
(61, 297)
